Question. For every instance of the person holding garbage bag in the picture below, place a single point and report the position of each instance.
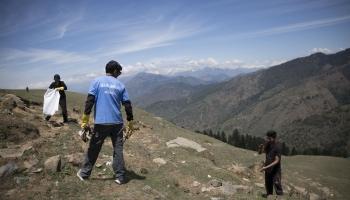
(61, 87)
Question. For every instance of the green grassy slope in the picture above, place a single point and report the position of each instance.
(182, 168)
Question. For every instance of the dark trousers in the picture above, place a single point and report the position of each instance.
(63, 104)
(100, 133)
(273, 180)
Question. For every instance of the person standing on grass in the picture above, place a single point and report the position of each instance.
(61, 87)
(107, 94)
(272, 166)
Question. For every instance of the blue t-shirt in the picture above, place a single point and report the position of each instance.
(109, 94)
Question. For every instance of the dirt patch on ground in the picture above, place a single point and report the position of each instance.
(16, 130)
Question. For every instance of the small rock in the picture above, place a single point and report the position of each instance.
(37, 170)
(207, 189)
(326, 191)
(75, 159)
(186, 190)
(8, 169)
(143, 171)
(196, 184)
(215, 183)
(245, 179)
(30, 163)
(159, 161)
(183, 162)
(209, 176)
(216, 198)
(53, 164)
(313, 196)
(147, 189)
(98, 165)
(260, 185)
(300, 190)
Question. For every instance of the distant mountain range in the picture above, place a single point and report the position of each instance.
(146, 88)
(147, 83)
(306, 100)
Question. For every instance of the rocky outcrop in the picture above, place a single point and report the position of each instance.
(53, 164)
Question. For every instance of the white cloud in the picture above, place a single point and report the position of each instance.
(294, 27)
(79, 78)
(173, 66)
(30, 56)
(61, 29)
(155, 34)
(322, 50)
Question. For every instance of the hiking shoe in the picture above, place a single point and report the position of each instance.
(120, 181)
(47, 118)
(79, 176)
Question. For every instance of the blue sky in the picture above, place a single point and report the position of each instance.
(77, 38)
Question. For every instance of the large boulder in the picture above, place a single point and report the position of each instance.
(184, 142)
(53, 164)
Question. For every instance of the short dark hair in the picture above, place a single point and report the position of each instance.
(271, 133)
(112, 65)
(57, 76)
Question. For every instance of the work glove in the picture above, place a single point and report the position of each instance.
(131, 125)
(129, 129)
(60, 88)
(85, 121)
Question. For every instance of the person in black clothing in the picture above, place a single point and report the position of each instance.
(61, 87)
(272, 166)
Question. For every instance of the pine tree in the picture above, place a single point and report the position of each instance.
(230, 140)
(235, 138)
(285, 149)
(205, 132)
(223, 137)
(211, 133)
(294, 152)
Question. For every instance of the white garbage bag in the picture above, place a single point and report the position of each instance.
(51, 101)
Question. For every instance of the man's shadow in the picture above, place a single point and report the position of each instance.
(129, 175)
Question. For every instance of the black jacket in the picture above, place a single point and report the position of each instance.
(58, 84)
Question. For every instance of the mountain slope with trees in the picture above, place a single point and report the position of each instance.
(305, 100)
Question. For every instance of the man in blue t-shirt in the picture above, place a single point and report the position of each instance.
(107, 93)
